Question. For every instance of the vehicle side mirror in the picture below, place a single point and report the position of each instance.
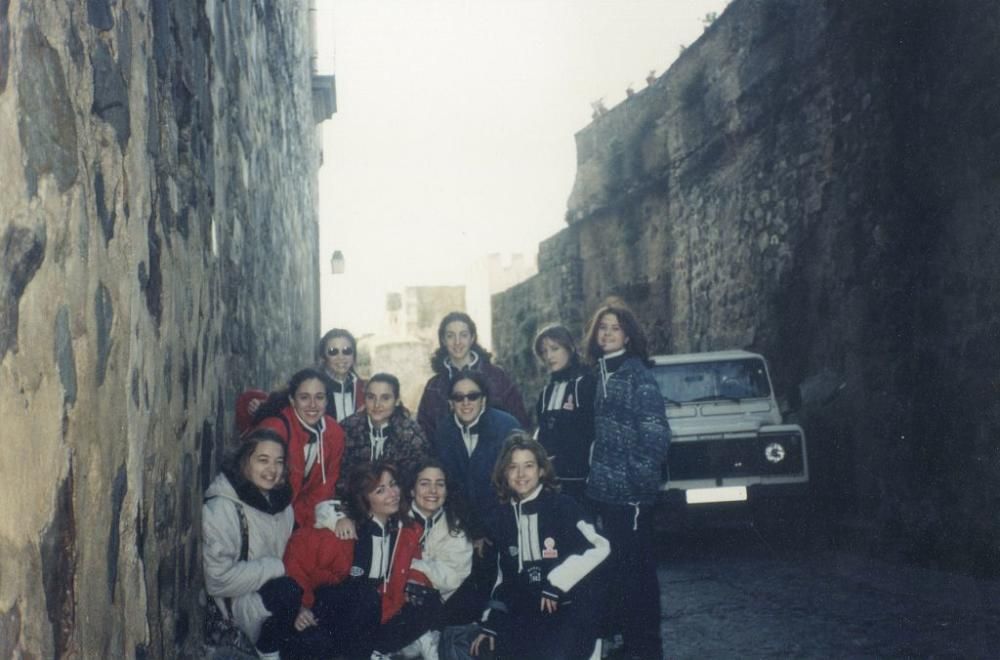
(791, 402)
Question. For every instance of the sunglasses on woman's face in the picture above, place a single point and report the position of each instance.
(333, 352)
(458, 397)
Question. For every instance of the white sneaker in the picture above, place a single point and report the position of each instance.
(270, 655)
(429, 644)
(378, 655)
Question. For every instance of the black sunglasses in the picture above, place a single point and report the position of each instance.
(337, 351)
(471, 396)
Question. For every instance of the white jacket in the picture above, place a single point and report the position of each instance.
(446, 559)
(225, 575)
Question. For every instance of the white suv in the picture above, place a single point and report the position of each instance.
(728, 441)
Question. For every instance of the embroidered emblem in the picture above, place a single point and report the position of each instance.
(534, 574)
(550, 551)
(357, 571)
(569, 405)
(513, 550)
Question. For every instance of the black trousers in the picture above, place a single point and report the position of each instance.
(409, 623)
(281, 597)
(629, 578)
(466, 605)
(348, 616)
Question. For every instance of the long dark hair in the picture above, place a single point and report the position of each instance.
(393, 383)
(519, 439)
(437, 360)
(560, 335)
(455, 508)
(636, 344)
(363, 481)
(278, 401)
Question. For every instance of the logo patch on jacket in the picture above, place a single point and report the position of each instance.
(534, 574)
(357, 571)
(512, 550)
(569, 405)
(550, 551)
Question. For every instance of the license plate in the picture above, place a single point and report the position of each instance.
(722, 494)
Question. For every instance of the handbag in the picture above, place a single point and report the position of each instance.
(220, 629)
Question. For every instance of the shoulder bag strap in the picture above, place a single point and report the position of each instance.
(244, 548)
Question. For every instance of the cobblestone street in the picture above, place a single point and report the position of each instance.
(733, 593)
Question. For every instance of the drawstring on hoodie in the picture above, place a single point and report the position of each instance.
(377, 437)
(318, 440)
(427, 522)
(473, 361)
(321, 427)
(386, 538)
(635, 518)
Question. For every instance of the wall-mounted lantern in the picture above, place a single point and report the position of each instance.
(337, 262)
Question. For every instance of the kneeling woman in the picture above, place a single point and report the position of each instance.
(544, 605)
(446, 550)
(380, 585)
(246, 521)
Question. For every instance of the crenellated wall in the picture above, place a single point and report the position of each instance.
(158, 233)
(818, 182)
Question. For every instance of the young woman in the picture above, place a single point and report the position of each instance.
(459, 353)
(631, 437)
(246, 522)
(468, 445)
(565, 409)
(382, 430)
(315, 441)
(336, 355)
(446, 550)
(544, 605)
(371, 579)
(335, 618)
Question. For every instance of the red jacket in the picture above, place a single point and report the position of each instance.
(316, 557)
(307, 492)
(407, 549)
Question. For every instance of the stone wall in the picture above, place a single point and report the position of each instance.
(157, 227)
(818, 182)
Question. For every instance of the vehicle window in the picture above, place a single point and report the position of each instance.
(707, 381)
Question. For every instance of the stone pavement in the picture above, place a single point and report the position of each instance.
(734, 595)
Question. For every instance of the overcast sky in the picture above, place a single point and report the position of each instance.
(453, 136)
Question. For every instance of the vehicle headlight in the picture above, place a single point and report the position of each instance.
(774, 452)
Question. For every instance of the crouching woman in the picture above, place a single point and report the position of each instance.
(544, 605)
(363, 595)
(246, 521)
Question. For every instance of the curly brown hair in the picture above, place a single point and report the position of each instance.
(363, 481)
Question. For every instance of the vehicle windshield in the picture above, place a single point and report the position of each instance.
(728, 380)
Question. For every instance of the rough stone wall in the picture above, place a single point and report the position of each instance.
(818, 182)
(157, 232)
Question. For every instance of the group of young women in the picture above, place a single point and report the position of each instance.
(342, 526)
